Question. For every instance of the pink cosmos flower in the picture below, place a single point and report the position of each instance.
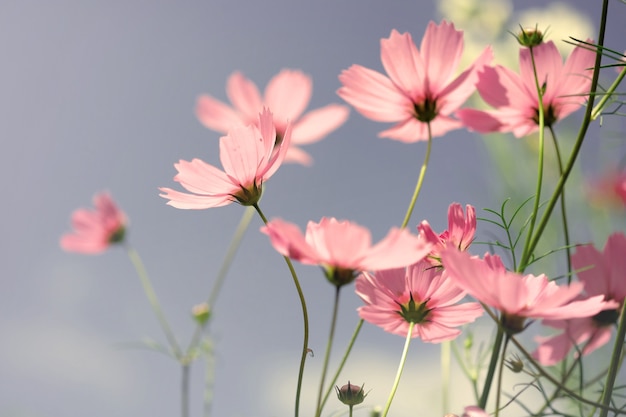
(460, 233)
(344, 248)
(249, 154)
(95, 230)
(517, 297)
(514, 96)
(603, 275)
(287, 94)
(609, 190)
(420, 294)
(471, 411)
(420, 88)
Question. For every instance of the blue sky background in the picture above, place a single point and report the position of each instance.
(100, 96)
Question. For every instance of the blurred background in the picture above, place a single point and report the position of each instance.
(100, 96)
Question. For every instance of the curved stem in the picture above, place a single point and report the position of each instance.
(527, 254)
(614, 366)
(579, 140)
(153, 300)
(343, 362)
(420, 180)
(495, 354)
(396, 382)
(329, 344)
(305, 317)
(568, 250)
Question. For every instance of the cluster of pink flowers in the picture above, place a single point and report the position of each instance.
(405, 280)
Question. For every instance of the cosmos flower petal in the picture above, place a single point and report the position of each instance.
(442, 48)
(216, 115)
(318, 123)
(244, 95)
(288, 93)
(402, 62)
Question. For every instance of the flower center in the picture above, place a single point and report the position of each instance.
(425, 111)
(249, 196)
(606, 317)
(549, 116)
(118, 235)
(414, 312)
(512, 323)
(339, 276)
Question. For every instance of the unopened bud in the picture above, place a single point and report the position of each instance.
(530, 37)
(515, 364)
(201, 313)
(351, 394)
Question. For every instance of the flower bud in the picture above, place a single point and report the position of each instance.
(351, 394)
(515, 364)
(530, 37)
(201, 313)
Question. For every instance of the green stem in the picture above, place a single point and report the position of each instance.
(607, 95)
(305, 317)
(500, 372)
(526, 254)
(396, 382)
(577, 145)
(343, 362)
(329, 344)
(614, 366)
(568, 251)
(153, 300)
(420, 181)
(495, 354)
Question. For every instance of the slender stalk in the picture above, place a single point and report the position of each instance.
(495, 354)
(420, 180)
(568, 250)
(184, 389)
(577, 145)
(305, 317)
(607, 95)
(343, 362)
(396, 382)
(526, 254)
(615, 363)
(329, 344)
(153, 300)
(500, 372)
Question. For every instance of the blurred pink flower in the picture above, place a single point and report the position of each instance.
(460, 233)
(420, 294)
(471, 411)
(565, 88)
(249, 155)
(95, 230)
(343, 248)
(609, 190)
(420, 87)
(287, 95)
(517, 297)
(603, 275)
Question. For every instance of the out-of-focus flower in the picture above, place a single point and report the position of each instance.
(603, 275)
(343, 248)
(460, 233)
(249, 154)
(420, 89)
(514, 96)
(418, 294)
(477, 18)
(609, 190)
(201, 313)
(95, 230)
(517, 297)
(561, 20)
(287, 95)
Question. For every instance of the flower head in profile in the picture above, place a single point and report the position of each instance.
(249, 155)
(517, 297)
(288, 93)
(420, 89)
(603, 275)
(418, 294)
(460, 233)
(95, 229)
(514, 96)
(343, 249)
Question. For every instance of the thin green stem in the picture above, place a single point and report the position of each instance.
(500, 372)
(329, 344)
(153, 300)
(607, 95)
(184, 389)
(495, 354)
(305, 318)
(396, 382)
(526, 254)
(568, 250)
(343, 362)
(614, 366)
(577, 145)
(420, 180)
